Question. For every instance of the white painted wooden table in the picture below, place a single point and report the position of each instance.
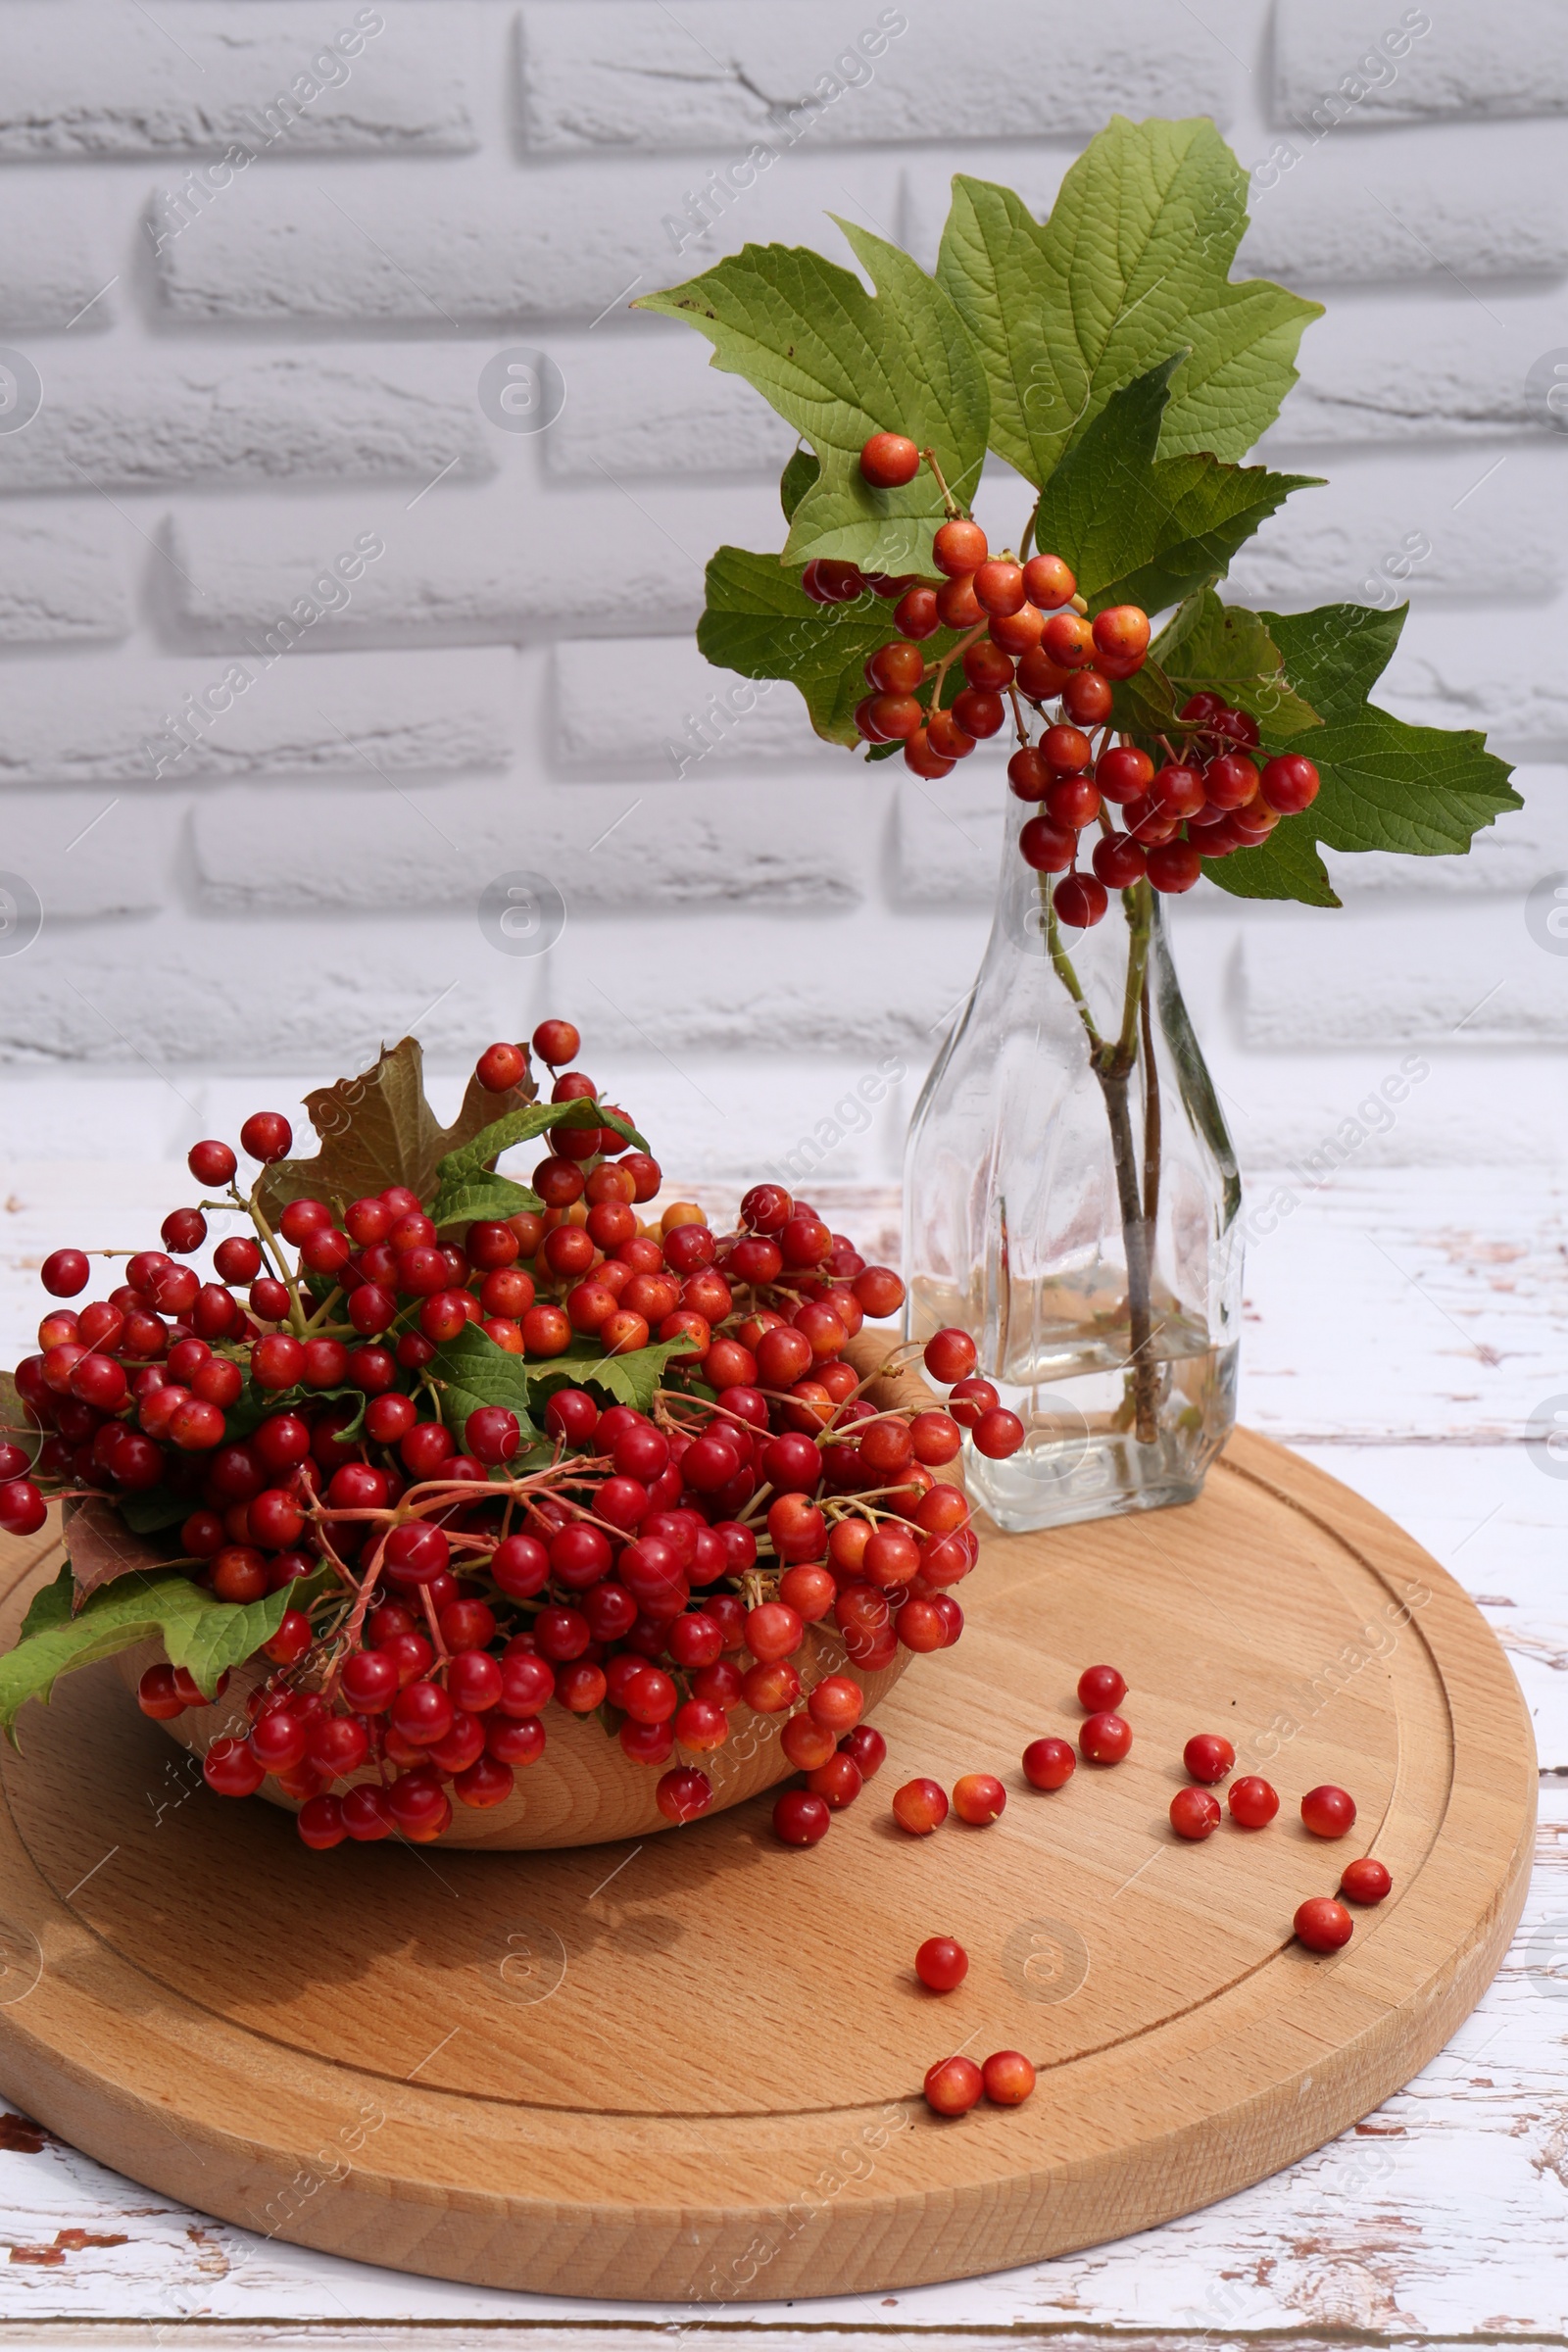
(1402, 1329)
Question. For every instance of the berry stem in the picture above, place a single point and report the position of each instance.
(314, 1327)
(1135, 907)
(1152, 1113)
(1136, 1239)
(1112, 1063)
(954, 511)
(269, 1245)
(940, 669)
(434, 1620)
(1062, 963)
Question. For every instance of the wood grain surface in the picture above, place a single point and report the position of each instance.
(682, 2071)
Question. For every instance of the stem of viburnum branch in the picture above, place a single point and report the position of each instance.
(937, 671)
(953, 509)
(1029, 531)
(270, 1245)
(884, 1370)
(1151, 1115)
(1062, 964)
(1135, 907)
(433, 1495)
(1017, 717)
(866, 1501)
(710, 1408)
(1112, 1062)
(434, 1623)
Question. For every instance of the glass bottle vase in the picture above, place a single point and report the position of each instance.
(1071, 1197)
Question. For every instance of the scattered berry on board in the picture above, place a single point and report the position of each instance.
(979, 1798)
(1194, 1814)
(1323, 1925)
(1049, 1763)
(1104, 1738)
(1009, 2078)
(1327, 1812)
(921, 1806)
(1252, 1803)
(954, 2086)
(1209, 1757)
(1365, 1880)
(941, 1964)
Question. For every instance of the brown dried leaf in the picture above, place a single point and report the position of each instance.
(101, 1548)
(377, 1129)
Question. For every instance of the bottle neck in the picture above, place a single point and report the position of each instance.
(1021, 927)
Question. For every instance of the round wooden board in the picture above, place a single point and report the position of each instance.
(689, 2070)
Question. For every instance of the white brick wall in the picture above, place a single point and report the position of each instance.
(623, 74)
(105, 79)
(261, 330)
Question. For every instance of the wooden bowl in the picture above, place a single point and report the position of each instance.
(584, 1789)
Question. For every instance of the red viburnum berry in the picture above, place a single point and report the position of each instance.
(958, 549)
(889, 460)
(1048, 582)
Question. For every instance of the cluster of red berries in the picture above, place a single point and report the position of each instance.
(1026, 637)
(662, 1566)
(888, 1584)
(1207, 801)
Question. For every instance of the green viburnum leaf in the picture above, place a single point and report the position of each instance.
(1285, 867)
(1207, 646)
(1143, 530)
(203, 1635)
(468, 1188)
(377, 1129)
(757, 621)
(1424, 792)
(150, 1512)
(628, 1379)
(1132, 265)
(796, 479)
(220, 1636)
(470, 1371)
(254, 1406)
(839, 365)
(486, 1195)
(15, 1427)
(1387, 785)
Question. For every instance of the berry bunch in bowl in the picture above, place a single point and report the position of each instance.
(447, 1505)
